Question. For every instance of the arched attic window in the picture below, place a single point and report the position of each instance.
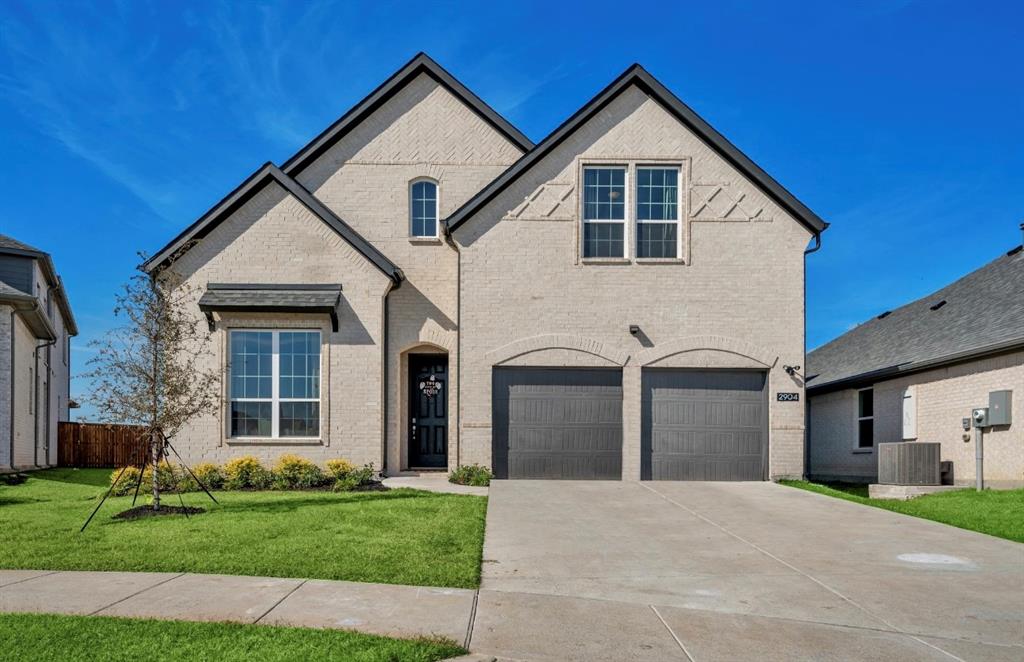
(423, 208)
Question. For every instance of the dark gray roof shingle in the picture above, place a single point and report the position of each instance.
(224, 296)
(14, 244)
(982, 311)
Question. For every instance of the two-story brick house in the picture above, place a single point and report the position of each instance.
(36, 326)
(422, 287)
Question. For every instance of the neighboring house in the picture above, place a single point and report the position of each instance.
(915, 373)
(36, 326)
(423, 287)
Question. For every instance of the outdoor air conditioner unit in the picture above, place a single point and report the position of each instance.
(909, 463)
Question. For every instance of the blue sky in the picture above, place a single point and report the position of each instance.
(901, 123)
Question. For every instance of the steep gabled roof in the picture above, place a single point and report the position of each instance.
(421, 63)
(637, 75)
(980, 314)
(250, 187)
(11, 246)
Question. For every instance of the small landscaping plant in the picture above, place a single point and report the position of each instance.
(124, 483)
(293, 472)
(339, 468)
(471, 474)
(246, 472)
(209, 474)
(357, 479)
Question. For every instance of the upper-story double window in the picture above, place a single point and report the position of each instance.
(654, 207)
(423, 208)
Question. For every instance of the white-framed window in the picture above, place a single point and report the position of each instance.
(604, 211)
(274, 383)
(658, 219)
(423, 208)
(866, 418)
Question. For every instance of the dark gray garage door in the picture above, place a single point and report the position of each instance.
(704, 425)
(557, 423)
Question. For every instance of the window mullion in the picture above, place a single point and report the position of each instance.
(275, 347)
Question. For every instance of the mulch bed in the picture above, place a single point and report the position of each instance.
(141, 512)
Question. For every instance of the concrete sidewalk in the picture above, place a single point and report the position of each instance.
(385, 609)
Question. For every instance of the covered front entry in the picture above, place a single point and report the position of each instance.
(428, 411)
(557, 423)
(704, 425)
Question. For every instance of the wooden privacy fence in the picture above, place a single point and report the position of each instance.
(100, 445)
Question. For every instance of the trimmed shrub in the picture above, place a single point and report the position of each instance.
(356, 478)
(294, 472)
(126, 485)
(210, 475)
(167, 476)
(471, 474)
(339, 468)
(246, 472)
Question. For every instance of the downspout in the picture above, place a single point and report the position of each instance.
(458, 344)
(807, 401)
(13, 390)
(394, 284)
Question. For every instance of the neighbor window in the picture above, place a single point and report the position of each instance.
(604, 211)
(423, 208)
(657, 212)
(865, 418)
(275, 383)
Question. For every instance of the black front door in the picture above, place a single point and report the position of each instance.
(428, 411)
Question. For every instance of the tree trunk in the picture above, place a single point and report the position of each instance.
(154, 447)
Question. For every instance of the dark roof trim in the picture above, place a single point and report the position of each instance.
(50, 272)
(885, 374)
(637, 75)
(245, 191)
(421, 63)
(302, 287)
(218, 298)
(31, 311)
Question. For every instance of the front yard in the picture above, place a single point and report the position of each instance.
(995, 512)
(396, 537)
(79, 638)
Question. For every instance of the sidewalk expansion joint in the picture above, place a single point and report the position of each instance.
(472, 620)
(139, 592)
(28, 579)
(278, 603)
(671, 632)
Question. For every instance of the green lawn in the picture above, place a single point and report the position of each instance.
(79, 638)
(995, 512)
(397, 537)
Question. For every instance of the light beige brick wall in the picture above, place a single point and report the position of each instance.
(274, 239)
(737, 301)
(424, 131)
(25, 381)
(944, 397)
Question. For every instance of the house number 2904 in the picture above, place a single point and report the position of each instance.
(788, 397)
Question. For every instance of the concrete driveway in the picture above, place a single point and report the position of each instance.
(733, 571)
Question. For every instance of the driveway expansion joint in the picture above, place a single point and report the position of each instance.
(679, 641)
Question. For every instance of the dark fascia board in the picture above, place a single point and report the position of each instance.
(245, 191)
(32, 313)
(637, 75)
(50, 272)
(891, 372)
(421, 63)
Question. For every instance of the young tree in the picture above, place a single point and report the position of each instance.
(150, 371)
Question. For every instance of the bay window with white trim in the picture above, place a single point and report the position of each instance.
(274, 383)
(658, 218)
(604, 212)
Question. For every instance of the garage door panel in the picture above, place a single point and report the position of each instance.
(557, 423)
(703, 425)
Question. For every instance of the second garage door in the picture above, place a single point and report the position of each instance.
(557, 423)
(703, 425)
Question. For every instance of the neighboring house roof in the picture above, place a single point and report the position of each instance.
(637, 75)
(250, 187)
(421, 63)
(257, 297)
(978, 315)
(11, 246)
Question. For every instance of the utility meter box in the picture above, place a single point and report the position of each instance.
(999, 407)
